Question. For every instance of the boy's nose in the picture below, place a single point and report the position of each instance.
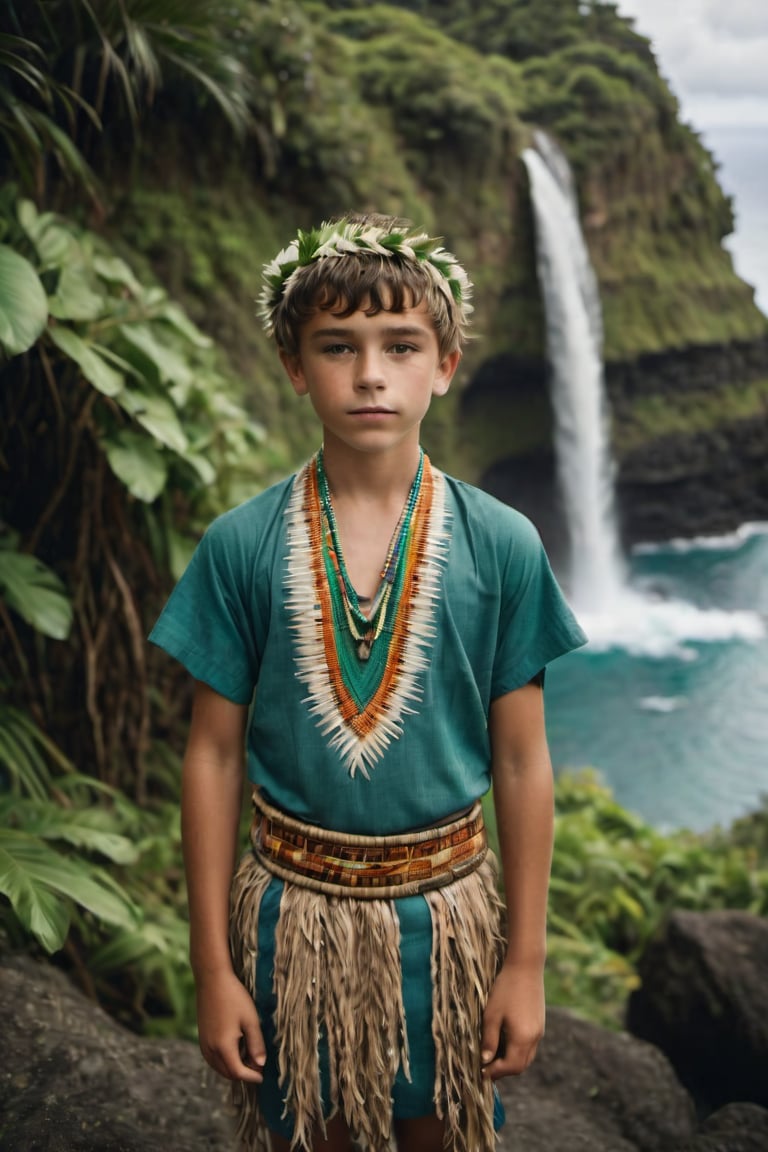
(370, 370)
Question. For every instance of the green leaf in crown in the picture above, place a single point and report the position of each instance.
(347, 238)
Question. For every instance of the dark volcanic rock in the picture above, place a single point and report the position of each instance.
(698, 484)
(72, 1080)
(692, 483)
(591, 1090)
(735, 1128)
(704, 1001)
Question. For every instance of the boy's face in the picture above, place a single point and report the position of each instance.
(370, 378)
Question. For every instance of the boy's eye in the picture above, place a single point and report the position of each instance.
(336, 349)
(401, 349)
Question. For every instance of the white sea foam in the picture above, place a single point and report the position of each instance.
(660, 628)
(728, 542)
(662, 703)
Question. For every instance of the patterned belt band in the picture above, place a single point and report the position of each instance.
(367, 867)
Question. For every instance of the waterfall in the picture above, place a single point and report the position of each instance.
(585, 470)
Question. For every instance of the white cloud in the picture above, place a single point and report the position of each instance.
(738, 18)
(712, 52)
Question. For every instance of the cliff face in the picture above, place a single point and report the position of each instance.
(423, 109)
(692, 438)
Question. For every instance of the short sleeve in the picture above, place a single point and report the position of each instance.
(207, 623)
(536, 625)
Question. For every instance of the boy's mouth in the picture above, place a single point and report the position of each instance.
(372, 410)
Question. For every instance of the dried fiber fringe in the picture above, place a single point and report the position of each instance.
(467, 947)
(338, 972)
(248, 887)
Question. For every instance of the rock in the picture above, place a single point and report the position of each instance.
(735, 1128)
(591, 1090)
(690, 479)
(72, 1080)
(704, 1001)
(698, 483)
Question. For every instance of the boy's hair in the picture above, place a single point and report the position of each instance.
(369, 261)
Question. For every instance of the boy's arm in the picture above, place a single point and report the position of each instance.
(211, 797)
(523, 798)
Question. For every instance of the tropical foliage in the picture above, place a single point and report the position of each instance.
(123, 435)
(72, 68)
(615, 878)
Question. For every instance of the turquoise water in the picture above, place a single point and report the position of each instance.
(669, 702)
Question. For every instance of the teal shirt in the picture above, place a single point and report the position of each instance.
(499, 618)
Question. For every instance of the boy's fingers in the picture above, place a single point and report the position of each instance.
(253, 1043)
(228, 1061)
(490, 1042)
(512, 1061)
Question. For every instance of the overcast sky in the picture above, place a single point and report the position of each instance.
(714, 54)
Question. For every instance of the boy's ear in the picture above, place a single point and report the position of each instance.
(294, 371)
(446, 370)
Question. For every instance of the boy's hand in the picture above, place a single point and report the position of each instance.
(513, 1023)
(229, 1029)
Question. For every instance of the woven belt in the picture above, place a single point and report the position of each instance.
(367, 867)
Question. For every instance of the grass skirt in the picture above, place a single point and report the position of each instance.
(337, 971)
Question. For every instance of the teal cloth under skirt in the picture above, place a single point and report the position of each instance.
(410, 1098)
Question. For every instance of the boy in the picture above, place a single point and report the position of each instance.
(376, 632)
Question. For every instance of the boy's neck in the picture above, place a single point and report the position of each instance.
(376, 476)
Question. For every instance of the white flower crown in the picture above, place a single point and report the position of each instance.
(351, 239)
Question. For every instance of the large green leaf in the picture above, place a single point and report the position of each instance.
(75, 298)
(138, 463)
(169, 364)
(31, 872)
(175, 315)
(40, 910)
(115, 270)
(157, 415)
(23, 303)
(202, 466)
(91, 828)
(129, 947)
(95, 369)
(53, 241)
(35, 592)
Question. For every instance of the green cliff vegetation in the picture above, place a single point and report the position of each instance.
(152, 156)
(689, 413)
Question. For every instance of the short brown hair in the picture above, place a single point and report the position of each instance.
(372, 282)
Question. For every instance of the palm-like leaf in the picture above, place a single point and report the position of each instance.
(25, 753)
(34, 591)
(41, 885)
(103, 56)
(30, 101)
(144, 45)
(89, 829)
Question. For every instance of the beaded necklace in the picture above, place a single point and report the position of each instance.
(366, 629)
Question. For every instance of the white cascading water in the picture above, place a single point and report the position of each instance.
(613, 612)
(574, 345)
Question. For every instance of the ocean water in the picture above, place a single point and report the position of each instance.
(669, 701)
